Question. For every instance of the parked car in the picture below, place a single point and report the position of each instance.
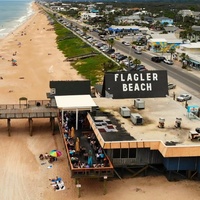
(197, 130)
(169, 62)
(139, 67)
(158, 59)
(110, 51)
(103, 47)
(171, 86)
(184, 97)
(115, 55)
(120, 58)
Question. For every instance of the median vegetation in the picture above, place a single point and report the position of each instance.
(91, 68)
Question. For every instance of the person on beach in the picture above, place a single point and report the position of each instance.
(56, 179)
(56, 187)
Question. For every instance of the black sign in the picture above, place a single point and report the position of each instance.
(146, 84)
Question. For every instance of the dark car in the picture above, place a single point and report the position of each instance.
(158, 59)
(110, 51)
(139, 67)
(171, 86)
(120, 58)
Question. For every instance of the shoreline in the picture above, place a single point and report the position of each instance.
(37, 57)
(21, 20)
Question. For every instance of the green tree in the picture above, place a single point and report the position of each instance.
(157, 47)
(136, 62)
(172, 50)
(85, 29)
(110, 42)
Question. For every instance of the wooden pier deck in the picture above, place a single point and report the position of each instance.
(30, 110)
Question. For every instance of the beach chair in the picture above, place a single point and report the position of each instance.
(61, 188)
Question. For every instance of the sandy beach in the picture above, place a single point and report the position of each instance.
(23, 175)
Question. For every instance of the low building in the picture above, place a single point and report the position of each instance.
(128, 19)
(163, 42)
(192, 50)
(164, 20)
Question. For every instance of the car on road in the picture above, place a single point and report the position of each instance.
(171, 86)
(158, 59)
(184, 97)
(137, 51)
(169, 62)
(126, 43)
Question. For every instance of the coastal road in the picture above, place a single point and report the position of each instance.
(187, 80)
(184, 77)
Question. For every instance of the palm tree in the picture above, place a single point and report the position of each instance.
(137, 62)
(184, 59)
(157, 47)
(110, 42)
(85, 29)
(172, 50)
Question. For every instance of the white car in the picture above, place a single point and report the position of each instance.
(184, 97)
(127, 44)
(169, 62)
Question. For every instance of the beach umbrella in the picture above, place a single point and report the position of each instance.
(77, 146)
(55, 153)
(72, 134)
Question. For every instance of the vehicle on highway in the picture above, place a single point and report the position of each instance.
(184, 97)
(137, 51)
(169, 62)
(171, 86)
(126, 43)
(158, 59)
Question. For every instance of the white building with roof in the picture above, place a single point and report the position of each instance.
(193, 51)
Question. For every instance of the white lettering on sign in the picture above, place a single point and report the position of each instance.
(136, 77)
(130, 87)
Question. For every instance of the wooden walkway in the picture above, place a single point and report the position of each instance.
(33, 109)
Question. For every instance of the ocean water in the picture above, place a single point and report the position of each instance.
(12, 14)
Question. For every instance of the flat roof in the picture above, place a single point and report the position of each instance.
(69, 102)
(169, 141)
(191, 45)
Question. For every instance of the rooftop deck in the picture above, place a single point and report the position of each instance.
(78, 158)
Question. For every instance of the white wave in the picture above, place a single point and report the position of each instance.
(3, 29)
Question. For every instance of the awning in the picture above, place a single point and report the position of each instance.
(74, 103)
